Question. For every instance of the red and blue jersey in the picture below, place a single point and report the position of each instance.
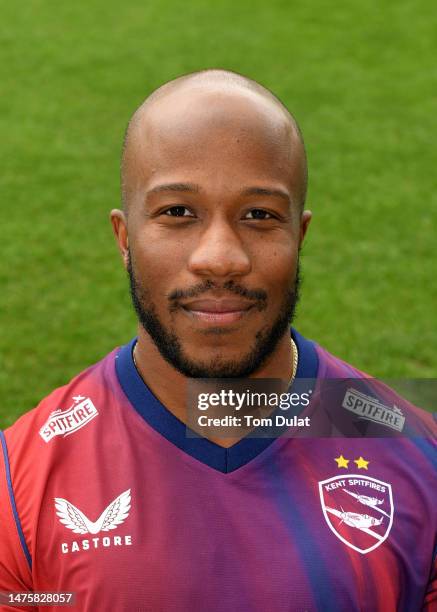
(103, 494)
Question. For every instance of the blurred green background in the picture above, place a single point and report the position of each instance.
(361, 79)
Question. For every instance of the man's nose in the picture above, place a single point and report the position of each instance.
(219, 252)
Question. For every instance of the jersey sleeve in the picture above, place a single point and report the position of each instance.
(430, 603)
(15, 572)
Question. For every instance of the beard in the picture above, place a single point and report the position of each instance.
(170, 346)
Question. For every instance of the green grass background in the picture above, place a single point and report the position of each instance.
(361, 78)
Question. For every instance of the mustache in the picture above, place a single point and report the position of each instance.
(257, 295)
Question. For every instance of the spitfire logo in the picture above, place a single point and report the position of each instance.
(371, 409)
(65, 422)
(358, 510)
(113, 516)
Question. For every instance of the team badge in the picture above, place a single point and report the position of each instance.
(358, 509)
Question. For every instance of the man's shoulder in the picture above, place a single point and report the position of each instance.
(67, 407)
(51, 444)
(384, 402)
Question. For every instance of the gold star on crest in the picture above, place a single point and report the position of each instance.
(361, 463)
(342, 462)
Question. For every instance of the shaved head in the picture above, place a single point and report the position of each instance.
(214, 181)
(211, 101)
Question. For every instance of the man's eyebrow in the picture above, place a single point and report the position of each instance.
(178, 187)
(267, 191)
(193, 188)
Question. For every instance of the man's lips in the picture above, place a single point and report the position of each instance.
(218, 305)
(218, 311)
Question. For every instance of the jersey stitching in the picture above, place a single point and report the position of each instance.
(12, 500)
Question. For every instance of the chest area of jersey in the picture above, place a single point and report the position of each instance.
(205, 533)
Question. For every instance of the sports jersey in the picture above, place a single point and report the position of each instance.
(103, 494)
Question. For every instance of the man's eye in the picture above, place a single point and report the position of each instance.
(259, 214)
(178, 211)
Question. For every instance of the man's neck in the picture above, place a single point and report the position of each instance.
(170, 386)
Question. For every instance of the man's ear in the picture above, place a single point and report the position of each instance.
(119, 225)
(304, 223)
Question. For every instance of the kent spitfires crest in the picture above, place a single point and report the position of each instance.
(358, 509)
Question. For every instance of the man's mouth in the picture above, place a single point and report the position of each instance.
(218, 311)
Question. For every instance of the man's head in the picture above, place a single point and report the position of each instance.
(213, 185)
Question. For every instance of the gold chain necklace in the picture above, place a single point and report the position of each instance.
(295, 359)
(294, 352)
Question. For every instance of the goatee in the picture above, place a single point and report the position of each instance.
(171, 348)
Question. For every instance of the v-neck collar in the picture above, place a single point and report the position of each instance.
(169, 426)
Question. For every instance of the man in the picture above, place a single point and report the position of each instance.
(103, 492)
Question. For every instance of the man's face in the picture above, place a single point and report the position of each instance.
(214, 230)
